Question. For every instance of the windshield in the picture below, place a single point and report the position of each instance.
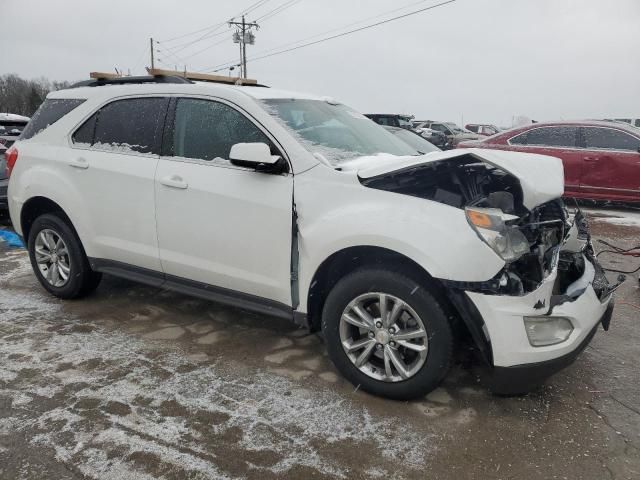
(335, 131)
(416, 141)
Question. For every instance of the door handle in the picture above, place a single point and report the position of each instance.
(592, 159)
(174, 181)
(80, 163)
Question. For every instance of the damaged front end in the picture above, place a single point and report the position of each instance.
(551, 293)
(534, 241)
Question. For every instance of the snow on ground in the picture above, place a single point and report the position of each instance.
(117, 405)
(629, 218)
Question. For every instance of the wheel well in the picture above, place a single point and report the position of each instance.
(350, 259)
(36, 206)
(464, 325)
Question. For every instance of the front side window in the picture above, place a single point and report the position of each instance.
(548, 137)
(49, 113)
(610, 139)
(334, 130)
(206, 130)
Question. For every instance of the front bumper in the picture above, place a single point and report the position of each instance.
(514, 359)
(520, 379)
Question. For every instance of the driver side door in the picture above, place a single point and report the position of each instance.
(225, 227)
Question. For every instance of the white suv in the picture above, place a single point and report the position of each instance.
(297, 206)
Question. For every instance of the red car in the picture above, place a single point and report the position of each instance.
(601, 159)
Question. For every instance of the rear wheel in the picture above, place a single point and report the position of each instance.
(58, 259)
(387, 334)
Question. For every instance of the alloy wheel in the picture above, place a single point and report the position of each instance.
(384, 337)
(52, 257)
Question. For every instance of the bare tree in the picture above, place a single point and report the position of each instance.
(23, 97)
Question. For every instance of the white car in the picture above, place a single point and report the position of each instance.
(297, 206)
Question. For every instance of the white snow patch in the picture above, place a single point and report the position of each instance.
(272, 412)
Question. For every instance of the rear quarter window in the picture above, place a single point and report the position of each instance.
(129, 125)
(49, 113)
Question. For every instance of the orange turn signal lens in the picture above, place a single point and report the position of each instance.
(479, 219)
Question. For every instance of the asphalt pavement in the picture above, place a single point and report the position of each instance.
(140, 383)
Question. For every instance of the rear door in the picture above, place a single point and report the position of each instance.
(556, 141)
(612, 163)
(113, 165)
(220, 224)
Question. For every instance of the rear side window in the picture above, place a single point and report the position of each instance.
(548, 137)
(49, 113)
(131, 125)
(206, 130)
(610, 139)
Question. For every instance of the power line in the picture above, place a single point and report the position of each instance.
(366, 27)
(168, 40)
(208, 47)
(286, 45)
(206, 36)
(277, 10)
(383, 14)
(250, 8)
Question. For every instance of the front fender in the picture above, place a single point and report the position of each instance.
(435, 236)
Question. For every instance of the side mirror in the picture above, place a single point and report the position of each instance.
(256, 155)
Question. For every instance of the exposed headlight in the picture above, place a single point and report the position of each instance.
(490, 224)
(543, 331)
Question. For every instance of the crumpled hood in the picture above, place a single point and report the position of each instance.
(541, 177)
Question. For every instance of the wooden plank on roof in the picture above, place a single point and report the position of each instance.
(103, 75)
(203, 77)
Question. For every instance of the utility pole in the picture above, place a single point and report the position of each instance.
(243, 36)
(151, 45)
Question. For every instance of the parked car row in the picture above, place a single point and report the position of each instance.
(601, 159)
(298, 207)
(11, 127)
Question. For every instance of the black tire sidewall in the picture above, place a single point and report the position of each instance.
(426, 306)
(80, 271)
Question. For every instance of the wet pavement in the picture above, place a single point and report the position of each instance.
(136, 383)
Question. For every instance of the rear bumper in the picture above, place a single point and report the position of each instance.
(519, 379)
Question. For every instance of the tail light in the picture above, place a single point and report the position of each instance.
(11, 156)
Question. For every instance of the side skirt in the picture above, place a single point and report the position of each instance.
(195, 289)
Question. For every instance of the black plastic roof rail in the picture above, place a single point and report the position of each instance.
(99, 82)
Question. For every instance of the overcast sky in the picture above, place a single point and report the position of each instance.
(472, 60)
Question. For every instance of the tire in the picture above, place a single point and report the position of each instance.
(71, 261)
(362, 287)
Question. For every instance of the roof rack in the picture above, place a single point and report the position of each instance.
(158, 75)
(99, 79)
(204, 77)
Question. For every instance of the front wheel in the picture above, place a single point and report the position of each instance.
(58, 259)
(387, 334)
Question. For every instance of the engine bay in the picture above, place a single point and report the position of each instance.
(467, 182)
